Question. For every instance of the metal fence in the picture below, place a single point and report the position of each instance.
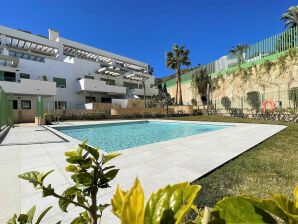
(255, 102)
(274, 44)
(5, 108)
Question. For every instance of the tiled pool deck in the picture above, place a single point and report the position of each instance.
(29, 148)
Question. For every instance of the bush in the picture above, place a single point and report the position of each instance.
(197, 112)
(254, 100)
(293, 96)
(49, 117)
(236, 112)
(226, 102)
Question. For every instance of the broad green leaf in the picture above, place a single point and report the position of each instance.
(109, 156)
(12, 220)
(93, 151)
(133, 205)
(72, 191)
(42, 176)
(74, 153)
(80, 198)
(47, 191)
(296, 196)
(172, 202)
(64, 203)
(31, 177)
(238, 210)
(87, 163)
(71, 168)
(40, 217)
(111, 174)
(79, 220)
(22, 219)
(267, 205)
(30, 214)
(102, 207)
(287, 206)
(83, 178)
(75, 159)
(117, 201)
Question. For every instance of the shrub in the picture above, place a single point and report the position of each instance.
(172, 203)
(49, 117)
(293, 95)
(226, 102)
(254, 100)
(236, 112)
(194, 102)
(90, 173)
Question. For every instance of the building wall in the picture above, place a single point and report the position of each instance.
(61, 66)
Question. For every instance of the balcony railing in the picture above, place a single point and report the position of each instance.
(93, 85)
(29, 87)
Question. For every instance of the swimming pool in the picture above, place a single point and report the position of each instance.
(119, 136)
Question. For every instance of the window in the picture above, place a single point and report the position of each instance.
(26, 104)
(89, 77)
(7, 76)
(90, 99)
(130, 85)
(24, 76)
(60, 105)
(106, 100)
(108, 81)
(15, 104)
(60, 83)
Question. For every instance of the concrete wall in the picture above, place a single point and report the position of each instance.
(140, 111)
(273, 84)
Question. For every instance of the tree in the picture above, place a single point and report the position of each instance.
(254, 99)
(239, 50)
(226, 102)
(150, 70)
(175, 60)
(293, 96)
(290, 17)
(194, 102)
(199, 81)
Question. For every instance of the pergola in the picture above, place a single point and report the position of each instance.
(21, 45)
(72, 51)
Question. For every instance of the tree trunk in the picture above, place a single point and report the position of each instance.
(176, 92)
(179, 100)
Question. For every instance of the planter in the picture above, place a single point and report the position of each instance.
(40, 121)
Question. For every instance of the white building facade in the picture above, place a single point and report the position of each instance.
(66, 72)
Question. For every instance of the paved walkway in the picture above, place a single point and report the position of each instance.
(29, 148)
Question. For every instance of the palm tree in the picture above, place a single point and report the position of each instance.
(238, 50)
(290, 17)
(175, 60)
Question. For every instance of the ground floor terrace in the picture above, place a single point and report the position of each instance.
(218, 160)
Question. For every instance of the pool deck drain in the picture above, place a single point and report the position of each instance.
(156, 165)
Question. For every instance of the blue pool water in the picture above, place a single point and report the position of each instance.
(119, 136)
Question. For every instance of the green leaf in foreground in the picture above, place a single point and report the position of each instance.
(239, 210)
(170, 204)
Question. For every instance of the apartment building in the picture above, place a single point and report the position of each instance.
(67, 73)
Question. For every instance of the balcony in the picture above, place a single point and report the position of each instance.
(140, 92)
(29, 87)
(98, 86)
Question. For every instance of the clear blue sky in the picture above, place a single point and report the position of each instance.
(146, 29)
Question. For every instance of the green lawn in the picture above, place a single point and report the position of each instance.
(271, 166)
